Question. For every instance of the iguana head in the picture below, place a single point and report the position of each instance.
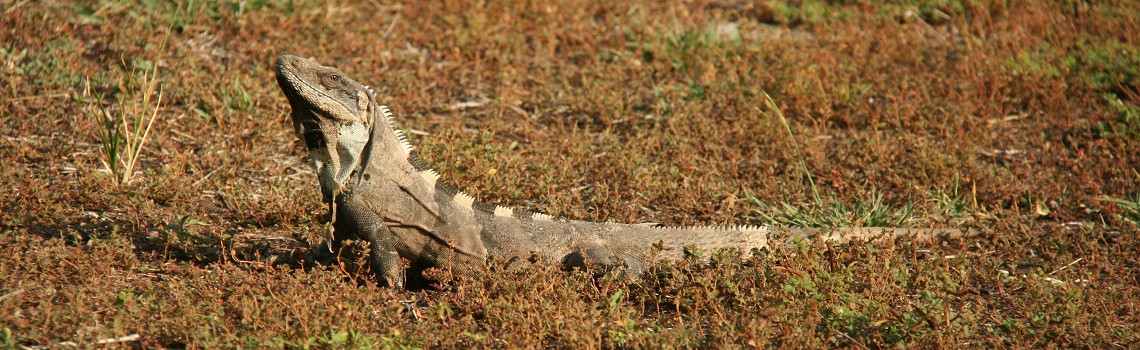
(332, 114)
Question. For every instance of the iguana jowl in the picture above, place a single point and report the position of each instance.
(379, 190)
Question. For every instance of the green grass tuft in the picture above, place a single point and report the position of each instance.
(124, 130)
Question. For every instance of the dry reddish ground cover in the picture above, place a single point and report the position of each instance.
(1020, 118)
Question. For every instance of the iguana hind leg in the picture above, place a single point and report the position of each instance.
(598, 257)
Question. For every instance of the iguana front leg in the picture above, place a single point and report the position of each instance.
(356, 220)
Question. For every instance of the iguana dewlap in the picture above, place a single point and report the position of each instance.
(380, 191)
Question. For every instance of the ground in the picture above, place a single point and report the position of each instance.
(1019, 119)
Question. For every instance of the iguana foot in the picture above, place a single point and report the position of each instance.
(323, 254)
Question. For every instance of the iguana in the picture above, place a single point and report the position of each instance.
(379, 190)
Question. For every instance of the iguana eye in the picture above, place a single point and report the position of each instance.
(332, 81)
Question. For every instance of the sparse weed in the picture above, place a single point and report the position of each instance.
(1127, 123)
(951, 205)
(1111, 68)
(7, 341)
(401, 341)
(185, 236)
(796, 12)
(1105, 65)
(1130, 205)
(350, 339)
(870, 212)
(795, 146)
(1035, 63)
(124, 130)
